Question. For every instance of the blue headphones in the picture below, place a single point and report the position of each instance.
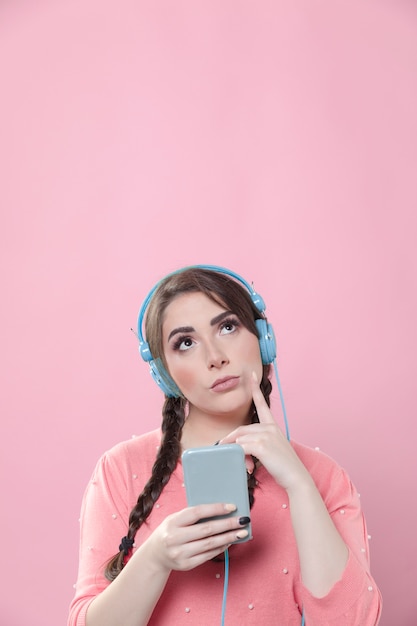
(158, 371)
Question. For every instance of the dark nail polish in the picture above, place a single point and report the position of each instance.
(244, 520)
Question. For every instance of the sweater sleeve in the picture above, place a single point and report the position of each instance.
(103, 522)
(355, 598)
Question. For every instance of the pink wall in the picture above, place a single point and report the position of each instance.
(276, 138)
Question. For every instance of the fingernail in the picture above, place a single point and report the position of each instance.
(254, 376)
(230, 507)
(241, 534)
(244, 520)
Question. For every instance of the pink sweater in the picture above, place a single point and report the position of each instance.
(264, 580)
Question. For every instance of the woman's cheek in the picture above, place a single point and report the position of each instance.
(184, 377)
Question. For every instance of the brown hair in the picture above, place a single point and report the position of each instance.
(227, 292)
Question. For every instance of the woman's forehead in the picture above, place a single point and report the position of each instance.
(187, 307)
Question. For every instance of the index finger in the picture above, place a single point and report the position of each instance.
(193, 514)
(264, 413)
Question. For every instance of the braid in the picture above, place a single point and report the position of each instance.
(165, 463)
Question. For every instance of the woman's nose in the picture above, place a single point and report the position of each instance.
(216, 357)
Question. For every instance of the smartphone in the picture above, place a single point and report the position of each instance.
(218, 474)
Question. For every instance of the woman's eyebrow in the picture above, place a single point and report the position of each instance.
(180, 329)
(220, 317)
(190, 329)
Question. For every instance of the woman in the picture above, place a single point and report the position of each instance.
(210, 348)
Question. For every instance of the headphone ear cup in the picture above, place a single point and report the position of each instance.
(163, 379)
(258, 301)
(267, 342)
(158, 372)
(145, 351)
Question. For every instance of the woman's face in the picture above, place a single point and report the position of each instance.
(210, 355)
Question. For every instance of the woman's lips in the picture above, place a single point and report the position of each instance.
(225, 384)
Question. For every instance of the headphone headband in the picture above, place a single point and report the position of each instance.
(256, 298)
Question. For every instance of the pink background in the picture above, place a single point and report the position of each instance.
(275, 138)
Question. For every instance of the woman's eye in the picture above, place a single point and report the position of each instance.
(229, 326)
(183, 343)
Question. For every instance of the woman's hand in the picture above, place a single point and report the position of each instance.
(180, 543)
(268, 443)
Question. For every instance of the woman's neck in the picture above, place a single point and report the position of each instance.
(205, 430)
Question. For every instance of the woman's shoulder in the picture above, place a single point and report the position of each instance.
(146, 445)
(137, 452)
(314, 457)
(328, 475)
(128, 464)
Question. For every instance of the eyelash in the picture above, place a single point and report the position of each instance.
(230, 321)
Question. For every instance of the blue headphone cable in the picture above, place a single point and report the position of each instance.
(287, 431)
(281, 396)
(226, 552)
(226, 584)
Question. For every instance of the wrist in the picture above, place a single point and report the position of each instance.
(148, 555)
